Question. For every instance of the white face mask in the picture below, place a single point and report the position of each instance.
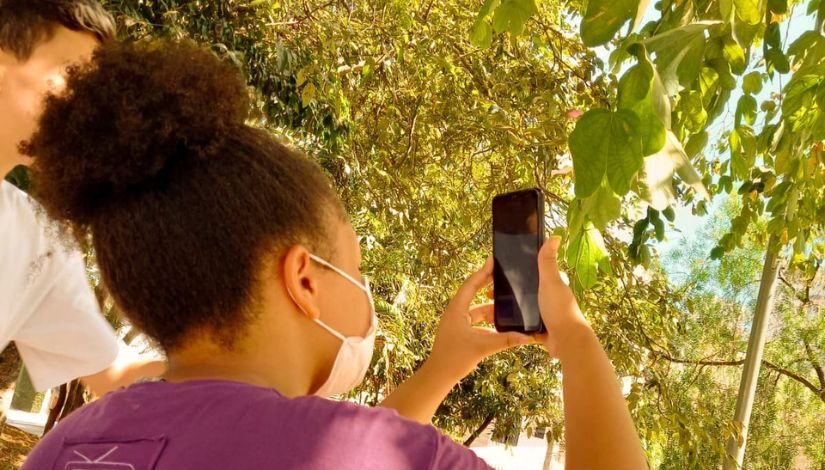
(354, 356)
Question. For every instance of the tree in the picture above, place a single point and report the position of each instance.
(686, 66)
(704, 359)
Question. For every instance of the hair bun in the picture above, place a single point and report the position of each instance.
(126, 116)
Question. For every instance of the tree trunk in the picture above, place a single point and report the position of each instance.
(131, 335)
(56, 408)
(548, 457)
(479, 430)
(75, 398)
(753, 358)
(70, 398)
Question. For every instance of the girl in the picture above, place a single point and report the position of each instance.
(234, 254)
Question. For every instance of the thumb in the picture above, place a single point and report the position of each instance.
(548, 259)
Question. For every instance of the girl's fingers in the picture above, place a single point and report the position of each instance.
(477, 281)
(494, 342)
(482, 313)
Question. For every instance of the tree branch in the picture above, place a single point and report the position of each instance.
(467, 442)
(308, 15)
(426, 14)
(820, 374)
(785, 281)
(790, 374)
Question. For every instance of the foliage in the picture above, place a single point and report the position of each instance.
(789, 408)
(702, 51)
(709, 56)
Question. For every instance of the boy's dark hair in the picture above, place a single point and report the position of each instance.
(26, 23)
(147, 150)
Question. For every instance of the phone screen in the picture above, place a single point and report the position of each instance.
(518, 233)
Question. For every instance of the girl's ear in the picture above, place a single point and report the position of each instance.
(300, 280)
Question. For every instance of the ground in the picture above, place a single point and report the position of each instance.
(14, 446)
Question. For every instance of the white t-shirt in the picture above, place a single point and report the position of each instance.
(46, 304)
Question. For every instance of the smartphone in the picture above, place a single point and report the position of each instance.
(518, 233)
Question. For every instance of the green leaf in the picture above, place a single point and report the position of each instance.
(813, 6)
(659, 227)
(726, 79)
(300, 77)
(19, 176)
(585, 253)
(604, 18)
(726, 10)
(604, 139)
(725, 184)
(489, 6)
(481, 34)
(773, 36)
(748, 11)
(744, 33)
(746, 109)
(307, 94)
(708, 82)
(734, 54)
(780, 7)
(776, 60)
(575, 217)
(636, 94)
(742, 151)
(640, 227)
(679, 54)
(801, 106)
(752, 83)
(635, 85)
(694, 111)
(695, 144)
(602, 207)
(511, 15)
(808, 50)
(776, 224)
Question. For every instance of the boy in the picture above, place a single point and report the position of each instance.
(46, 305)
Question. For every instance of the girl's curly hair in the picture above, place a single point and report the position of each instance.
(147, 151)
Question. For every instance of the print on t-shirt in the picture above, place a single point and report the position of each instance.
(128, 454)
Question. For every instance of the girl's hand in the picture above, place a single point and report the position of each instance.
(459, 344)
(559, 309)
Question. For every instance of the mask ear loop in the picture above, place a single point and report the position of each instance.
(316, 320)
(339, 271)
(364, 287)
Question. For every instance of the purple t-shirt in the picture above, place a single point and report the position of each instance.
(214, 424)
